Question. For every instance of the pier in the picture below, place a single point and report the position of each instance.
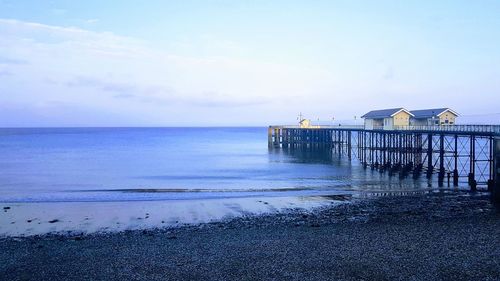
(456, 154)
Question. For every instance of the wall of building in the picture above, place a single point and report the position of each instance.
(388, 123)
(447, 118)
(401, 119)
(371, 124)
(306, 123)
(419, 122)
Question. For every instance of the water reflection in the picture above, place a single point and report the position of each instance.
(352, 173)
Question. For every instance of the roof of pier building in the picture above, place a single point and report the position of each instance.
(429, 113)
(385, 113)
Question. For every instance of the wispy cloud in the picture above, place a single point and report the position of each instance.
(162, 95)
(104, 70)
(18, 32)
(124, 96)
(388, 73)
(58, 11)
(7, 60)
(213, 99)
(4, 72)
(92, 21)
(107, 86)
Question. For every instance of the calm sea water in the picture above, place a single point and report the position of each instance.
(133, 164)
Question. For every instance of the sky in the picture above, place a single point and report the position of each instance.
(243, 63)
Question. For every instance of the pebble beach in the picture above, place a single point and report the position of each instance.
(431, 236)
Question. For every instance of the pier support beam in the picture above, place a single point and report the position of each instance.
(441, 161)
(455, 160)
(495, 191)
(349, 141)
(430, 166)
(472, 169)
(270, 136)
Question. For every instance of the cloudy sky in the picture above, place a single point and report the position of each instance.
(230, 63)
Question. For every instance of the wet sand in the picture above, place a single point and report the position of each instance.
(28, 219)
(436, 236)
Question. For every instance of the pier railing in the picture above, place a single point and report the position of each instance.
(491, 129)
(359, 127)
(453, 128)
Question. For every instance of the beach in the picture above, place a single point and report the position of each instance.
(249, 140)
(442, 235)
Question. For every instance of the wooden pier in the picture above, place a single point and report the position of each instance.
(466, 154)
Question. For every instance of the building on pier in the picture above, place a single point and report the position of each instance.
(387, 119)
(306, 123)
(433, 117)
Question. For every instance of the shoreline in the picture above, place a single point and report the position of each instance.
(440, 235)
(88, 218)
(334, 209)
(149, 216)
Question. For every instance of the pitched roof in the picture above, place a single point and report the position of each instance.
(384, 113)
(428, 113)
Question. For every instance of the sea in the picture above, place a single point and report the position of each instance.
(114, 179)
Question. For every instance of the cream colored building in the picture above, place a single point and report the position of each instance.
(433, 117)
(306, 123)
(387, 119)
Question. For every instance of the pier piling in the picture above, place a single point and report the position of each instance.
(495, 186)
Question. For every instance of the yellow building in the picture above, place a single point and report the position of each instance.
(306, 123)
(432, 117)
(387, 119)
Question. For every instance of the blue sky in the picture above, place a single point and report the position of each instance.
(210, 63)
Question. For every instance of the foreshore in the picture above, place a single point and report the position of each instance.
(433, 236)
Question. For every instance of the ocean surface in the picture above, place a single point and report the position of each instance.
(185, 174)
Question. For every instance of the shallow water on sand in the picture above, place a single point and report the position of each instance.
(93, 179)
